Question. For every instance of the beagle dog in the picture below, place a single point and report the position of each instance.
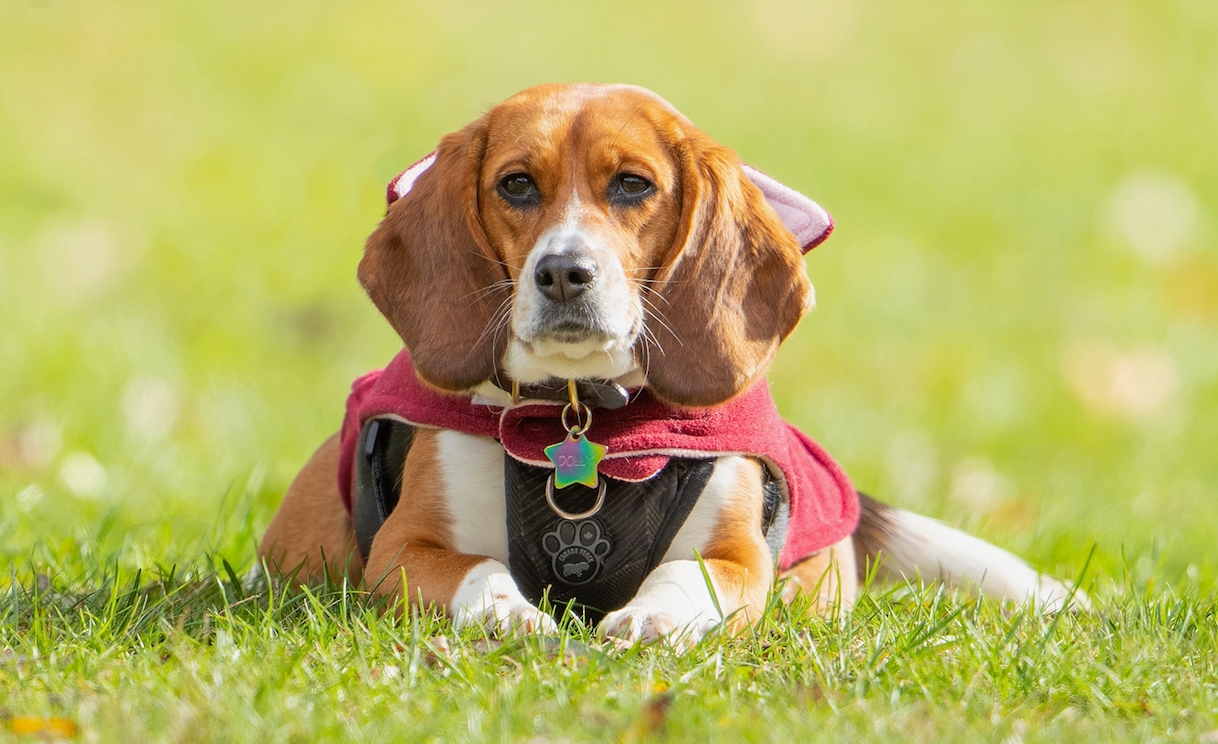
(582, 271)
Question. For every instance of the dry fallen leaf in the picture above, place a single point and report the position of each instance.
(47, 728)
(437, 651)
(388, 671)
(651, 719)
(485, 645)
(810, 694)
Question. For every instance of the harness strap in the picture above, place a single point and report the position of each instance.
(379, 462)
(775, 513)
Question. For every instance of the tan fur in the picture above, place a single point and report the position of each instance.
(311, 529)
(417, 536)
(737, 556)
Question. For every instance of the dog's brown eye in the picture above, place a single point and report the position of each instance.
(629, 188)
(633, 184)
(518, 185)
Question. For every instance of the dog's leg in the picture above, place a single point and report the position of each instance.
(904, 545)
(422, 540)
(311, 529)
(830, 576)
(677, 599)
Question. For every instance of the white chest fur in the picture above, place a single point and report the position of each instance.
(472, 468)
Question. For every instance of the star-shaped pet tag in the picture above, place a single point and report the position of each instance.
(575, 459)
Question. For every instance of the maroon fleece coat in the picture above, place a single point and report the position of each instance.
(641, 436)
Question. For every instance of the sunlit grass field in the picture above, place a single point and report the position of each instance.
(1016, 332)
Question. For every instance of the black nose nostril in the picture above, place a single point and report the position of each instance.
(562, 277)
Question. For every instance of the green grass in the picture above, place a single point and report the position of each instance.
(1017, 332)
(193, 658)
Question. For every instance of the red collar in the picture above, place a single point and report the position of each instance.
(641, 436)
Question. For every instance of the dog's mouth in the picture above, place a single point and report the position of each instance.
(575, 336)
(569, 348)
(572, 332)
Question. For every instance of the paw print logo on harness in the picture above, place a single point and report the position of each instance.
(576, 550)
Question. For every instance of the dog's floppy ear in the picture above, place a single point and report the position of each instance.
(732, 288)
(431, 272)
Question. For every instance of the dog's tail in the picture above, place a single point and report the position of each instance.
(898, 544)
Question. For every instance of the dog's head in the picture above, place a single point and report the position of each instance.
(587, 231)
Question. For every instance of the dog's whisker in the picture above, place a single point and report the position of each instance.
(480, 294)
(663, 324)
(488, 258)
(652, 283)
(500, 327)
(649, 286)
(649, 339)
(649, 333)
(501, 284)
(655, 312)
(498, 318)
(647, 357)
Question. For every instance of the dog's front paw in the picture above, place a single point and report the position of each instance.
(501, 617)
(631, 625)
(674, 604)
(489, 597)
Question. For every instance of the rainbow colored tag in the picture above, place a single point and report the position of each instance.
(575, 459)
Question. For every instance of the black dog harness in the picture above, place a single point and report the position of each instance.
(595, 565)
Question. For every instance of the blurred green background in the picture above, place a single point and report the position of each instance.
(1017, 328)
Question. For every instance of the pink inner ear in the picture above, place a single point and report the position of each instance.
(807, 221)
(401, 185)
(805, 218)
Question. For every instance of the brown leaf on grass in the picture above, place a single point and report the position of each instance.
(651, 720)
(437, 651)
(389, 671)
(1209, 737)
(485, 645)
(48, 729)
(810, 694)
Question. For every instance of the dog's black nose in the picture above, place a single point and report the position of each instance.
(564, 276)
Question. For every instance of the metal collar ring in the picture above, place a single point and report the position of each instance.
(582, 428)
(600, 501)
